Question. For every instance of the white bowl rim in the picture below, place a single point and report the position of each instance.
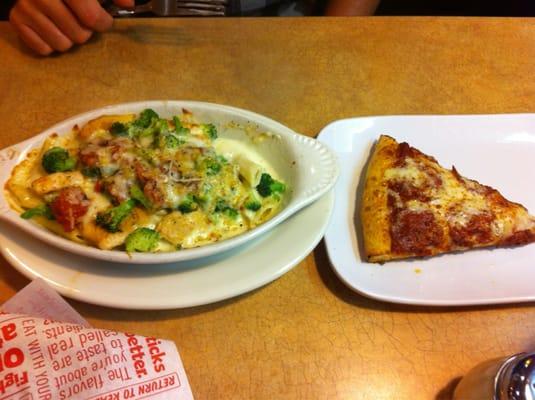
(7, 163)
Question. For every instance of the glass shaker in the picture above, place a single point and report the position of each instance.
(510, 378)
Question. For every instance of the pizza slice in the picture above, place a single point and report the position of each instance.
(413, 207)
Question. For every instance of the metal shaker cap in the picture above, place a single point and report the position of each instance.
(516, 380)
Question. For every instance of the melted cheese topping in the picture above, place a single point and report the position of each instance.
(408, 173)
(468, 213)
(198, 188)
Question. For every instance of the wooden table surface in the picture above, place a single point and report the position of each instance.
(304, 336)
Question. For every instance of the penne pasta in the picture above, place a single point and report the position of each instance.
(249, 170)
(143, 183)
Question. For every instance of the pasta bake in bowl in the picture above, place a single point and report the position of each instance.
(160, 181)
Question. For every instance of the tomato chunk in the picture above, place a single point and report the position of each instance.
(70, 205)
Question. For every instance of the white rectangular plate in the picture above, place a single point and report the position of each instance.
(496, 150)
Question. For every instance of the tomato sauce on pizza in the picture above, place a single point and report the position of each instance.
(414, 207)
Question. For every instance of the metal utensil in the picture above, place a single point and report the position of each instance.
(173, 8)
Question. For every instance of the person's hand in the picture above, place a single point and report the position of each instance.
(56, 25)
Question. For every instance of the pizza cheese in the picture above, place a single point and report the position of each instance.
(413, 207)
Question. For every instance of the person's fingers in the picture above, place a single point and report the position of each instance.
(28, 35)
(91, 14)
(63, 18)
(125, 3)
(32, 17)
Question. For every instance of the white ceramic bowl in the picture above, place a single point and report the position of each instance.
(308, 167)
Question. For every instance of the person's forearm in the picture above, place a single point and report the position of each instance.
(351, 7)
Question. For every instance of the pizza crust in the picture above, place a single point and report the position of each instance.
(374, 212)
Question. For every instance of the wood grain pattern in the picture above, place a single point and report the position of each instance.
(305, 336)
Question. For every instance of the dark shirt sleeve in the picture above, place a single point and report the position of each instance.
(5, 6)
(481, 8)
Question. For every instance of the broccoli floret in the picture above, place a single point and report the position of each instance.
(204, 196)
(210, 131)
(137, 194)
(200, 200)
(253, 205)
(268, 186)
(142, 239)
(42, 210)
(160, 126)
(118, 129)
(148, 135)
(57, 159)
(231, 212)
(211, 166)
(92, 172)
(221, 206)
(188, 205)
(171, 141)
(179, 128)
(112, 218)
(182, 131)
(145, 118)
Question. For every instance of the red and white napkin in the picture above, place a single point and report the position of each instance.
(48, 352)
